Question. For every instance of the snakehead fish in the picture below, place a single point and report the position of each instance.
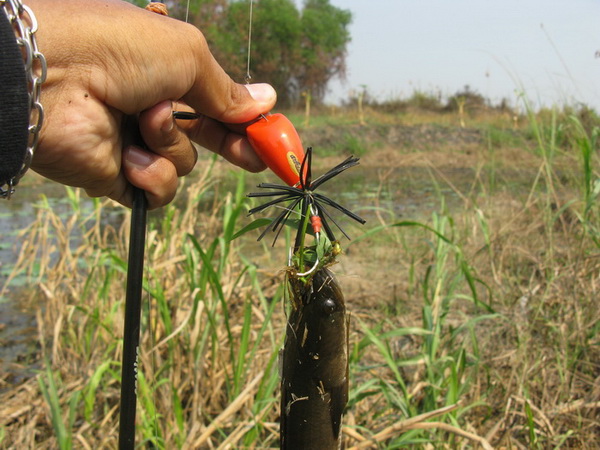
(315, 364)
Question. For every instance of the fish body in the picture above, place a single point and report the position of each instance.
(315, 365)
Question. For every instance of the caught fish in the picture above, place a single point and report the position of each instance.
(315, 364)
(314, 383)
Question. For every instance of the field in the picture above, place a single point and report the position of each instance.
(473, 290)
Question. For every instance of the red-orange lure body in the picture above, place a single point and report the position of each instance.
(277, 143)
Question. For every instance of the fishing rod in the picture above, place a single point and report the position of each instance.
(135, 275)
(133, 304)
(270, 137)
(133, 296)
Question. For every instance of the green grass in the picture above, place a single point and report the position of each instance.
(475, 323)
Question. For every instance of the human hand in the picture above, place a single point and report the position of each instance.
(108, 59)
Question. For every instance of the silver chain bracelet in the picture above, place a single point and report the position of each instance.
(25, 26)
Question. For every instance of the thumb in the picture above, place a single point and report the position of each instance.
(214, 94)
(236, 104)
(263, 97)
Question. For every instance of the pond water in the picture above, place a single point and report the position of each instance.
(403, 193)
(18, 326)
(18, 330)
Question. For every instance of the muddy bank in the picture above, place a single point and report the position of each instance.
(416, 137)
(422, 145)
(395, 176)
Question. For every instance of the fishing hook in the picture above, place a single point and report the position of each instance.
(304, 195)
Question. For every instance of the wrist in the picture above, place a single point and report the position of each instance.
(24, 25)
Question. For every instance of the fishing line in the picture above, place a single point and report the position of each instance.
(183, 115)
(187, 11)
(248, 76)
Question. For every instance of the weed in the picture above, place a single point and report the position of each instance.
(473, 323)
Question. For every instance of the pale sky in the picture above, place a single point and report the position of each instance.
(545, 47)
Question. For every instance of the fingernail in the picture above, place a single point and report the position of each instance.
(262, 92)
(138, 157)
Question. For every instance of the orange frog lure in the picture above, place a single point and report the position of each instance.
(277, 143)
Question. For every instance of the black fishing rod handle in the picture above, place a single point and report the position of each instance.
(133, 302)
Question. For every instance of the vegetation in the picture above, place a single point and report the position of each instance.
(473, 294)
(296, 51)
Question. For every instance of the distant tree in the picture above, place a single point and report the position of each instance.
(225, 26)
(295, 51)
(276, 37)
(325, 36)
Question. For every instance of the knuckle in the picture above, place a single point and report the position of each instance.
(237, 97)
(181, 152)
(197, 41)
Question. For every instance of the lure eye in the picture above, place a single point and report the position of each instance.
(328, 306)
(276, 142)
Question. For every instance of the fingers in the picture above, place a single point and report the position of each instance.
(118, 67)
(164, 138)
(156, 175)
(219, 139)
(169, 155)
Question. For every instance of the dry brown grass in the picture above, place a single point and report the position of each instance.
(532, 373)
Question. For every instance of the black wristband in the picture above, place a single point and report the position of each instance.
(14, 113)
